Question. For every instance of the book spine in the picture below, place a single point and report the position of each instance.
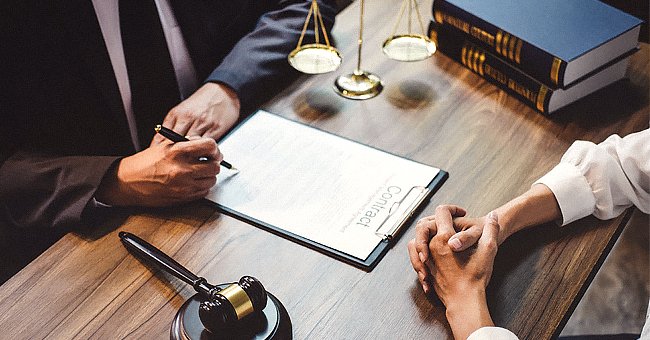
(536, 62)
(490, 67)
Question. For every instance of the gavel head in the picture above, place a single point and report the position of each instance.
(227, 306)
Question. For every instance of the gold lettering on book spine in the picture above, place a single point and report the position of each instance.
(438, 17)
(504, 48)
(541, 97)
(470, 58)
(464, 55)
(518, 52)
(498, 44)
(475, 60)
(483, 36)
(555, 70)
(481, 62)
(522, 90)
(434, 36)
(456, 22)
(470, 55)
(511, 49)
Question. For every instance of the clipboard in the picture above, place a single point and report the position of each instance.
(400, 212)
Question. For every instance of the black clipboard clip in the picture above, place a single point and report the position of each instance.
(401, 211)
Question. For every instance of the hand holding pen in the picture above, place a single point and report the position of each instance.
(163, 174)
(177, 138)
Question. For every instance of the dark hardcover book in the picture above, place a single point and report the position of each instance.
(557, 42)
(514, 81)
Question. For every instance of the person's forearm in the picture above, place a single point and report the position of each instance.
(257, 67)
(468, 312)
(534, 207)
(39, 190)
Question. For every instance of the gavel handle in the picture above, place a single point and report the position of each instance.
(152, 255)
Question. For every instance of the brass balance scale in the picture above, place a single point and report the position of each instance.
(318, 57)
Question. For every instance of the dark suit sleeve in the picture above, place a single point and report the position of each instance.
(47, 191)
(257, 66)
(37, 189)
(41, 198)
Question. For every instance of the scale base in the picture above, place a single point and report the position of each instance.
(273, 323)
(358, 85)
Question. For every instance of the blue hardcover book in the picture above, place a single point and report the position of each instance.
(557, 42)
(497, 71)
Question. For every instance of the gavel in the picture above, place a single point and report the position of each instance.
(221, 309)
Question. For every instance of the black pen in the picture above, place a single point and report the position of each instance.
(176, 138)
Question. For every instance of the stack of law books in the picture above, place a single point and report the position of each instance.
(546, 53)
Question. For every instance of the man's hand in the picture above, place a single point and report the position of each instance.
(162, 175)
(210, 112)
(460, 279)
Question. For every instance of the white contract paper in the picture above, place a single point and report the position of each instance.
(313, 184)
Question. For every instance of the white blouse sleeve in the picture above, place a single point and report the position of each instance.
(602, 179)
(492, 333)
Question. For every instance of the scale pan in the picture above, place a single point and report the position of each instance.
(409, 47)
(315, 58)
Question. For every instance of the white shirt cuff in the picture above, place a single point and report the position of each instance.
(571, 190)
(492, 333)
(97, 204)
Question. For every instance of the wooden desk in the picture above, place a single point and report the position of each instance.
(435, 112)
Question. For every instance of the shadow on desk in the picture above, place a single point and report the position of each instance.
(611, 104)
(318, 103)
(522, 262)
(605, 106)
(411, 94)
(430, 315)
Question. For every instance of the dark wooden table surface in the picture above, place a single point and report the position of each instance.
(435, 112)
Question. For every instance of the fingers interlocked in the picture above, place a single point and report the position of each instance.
(440, 226)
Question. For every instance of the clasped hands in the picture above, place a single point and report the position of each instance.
(454, 255)
(166, 173)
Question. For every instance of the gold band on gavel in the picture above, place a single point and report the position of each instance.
(239, 299)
